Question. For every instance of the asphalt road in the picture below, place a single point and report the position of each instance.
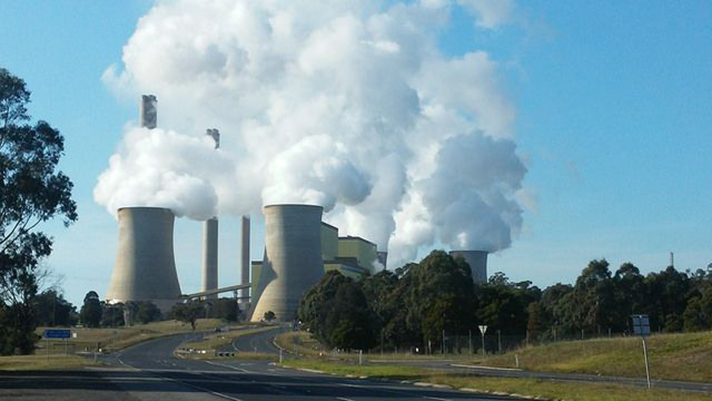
(260, 342)
(149, 371)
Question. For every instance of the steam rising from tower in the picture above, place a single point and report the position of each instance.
(145, 267)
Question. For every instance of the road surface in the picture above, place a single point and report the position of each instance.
(150, 371)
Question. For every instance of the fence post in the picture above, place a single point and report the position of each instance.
(499, 340)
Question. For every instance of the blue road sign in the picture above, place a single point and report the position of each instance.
(641, 325)
(57, 333)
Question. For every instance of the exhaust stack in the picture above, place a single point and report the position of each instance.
(210, 240)
(245, 258)
(148, 112)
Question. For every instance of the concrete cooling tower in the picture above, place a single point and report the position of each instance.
(477, 261)
(145, 268)
(292, 261)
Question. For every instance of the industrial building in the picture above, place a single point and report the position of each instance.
(299, 249)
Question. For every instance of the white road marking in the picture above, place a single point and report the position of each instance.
(344, 399)
(229, 367)
(437, 399)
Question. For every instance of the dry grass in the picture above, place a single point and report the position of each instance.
(44, 362)
(89, 339)
(530, 387)
(686, 357)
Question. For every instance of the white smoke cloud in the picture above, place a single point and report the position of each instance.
(165, 169)
(346, 104)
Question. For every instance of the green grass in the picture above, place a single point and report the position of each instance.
(529, 387)
(686, 357)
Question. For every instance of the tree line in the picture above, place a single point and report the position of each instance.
(414, 306)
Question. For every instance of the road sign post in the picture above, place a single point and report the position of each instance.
(641, 327)
(483, 330)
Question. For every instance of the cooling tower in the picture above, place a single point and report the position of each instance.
(145, 268)
(245, 257)
(210, 240)
(292, 262)
(477, 261)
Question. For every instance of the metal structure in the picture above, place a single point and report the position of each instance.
(292, 261)
(210, 239)
(216, 291)
(477, 261)
(245, 257)
(145, 267)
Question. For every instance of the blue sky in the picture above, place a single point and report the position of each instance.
(614, 109)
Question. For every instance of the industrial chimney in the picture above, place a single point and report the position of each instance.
(245, 258)
(148, 112)
(210, 240)
(477, 261)
(145, 267)
(292, 261)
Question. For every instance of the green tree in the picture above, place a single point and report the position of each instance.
(316, 303)
(269, 316)
(436, 276)
(32, 191)
(188, 312)
(113, 315)
(90, 314)
(225, 309)
(148, 312)
(53, 310)
(348, 320)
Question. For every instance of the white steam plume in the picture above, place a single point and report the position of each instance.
(165, 169)
(346, 104)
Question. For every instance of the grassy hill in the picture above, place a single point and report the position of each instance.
(685, 357)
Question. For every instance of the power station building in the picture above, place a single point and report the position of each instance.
(299, 249)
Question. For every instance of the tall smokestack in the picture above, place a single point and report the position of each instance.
(210, 239)
(672, 259)
(477, 261)
(145, 267)
(148, 112)
(245, 257)
(292, 262)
